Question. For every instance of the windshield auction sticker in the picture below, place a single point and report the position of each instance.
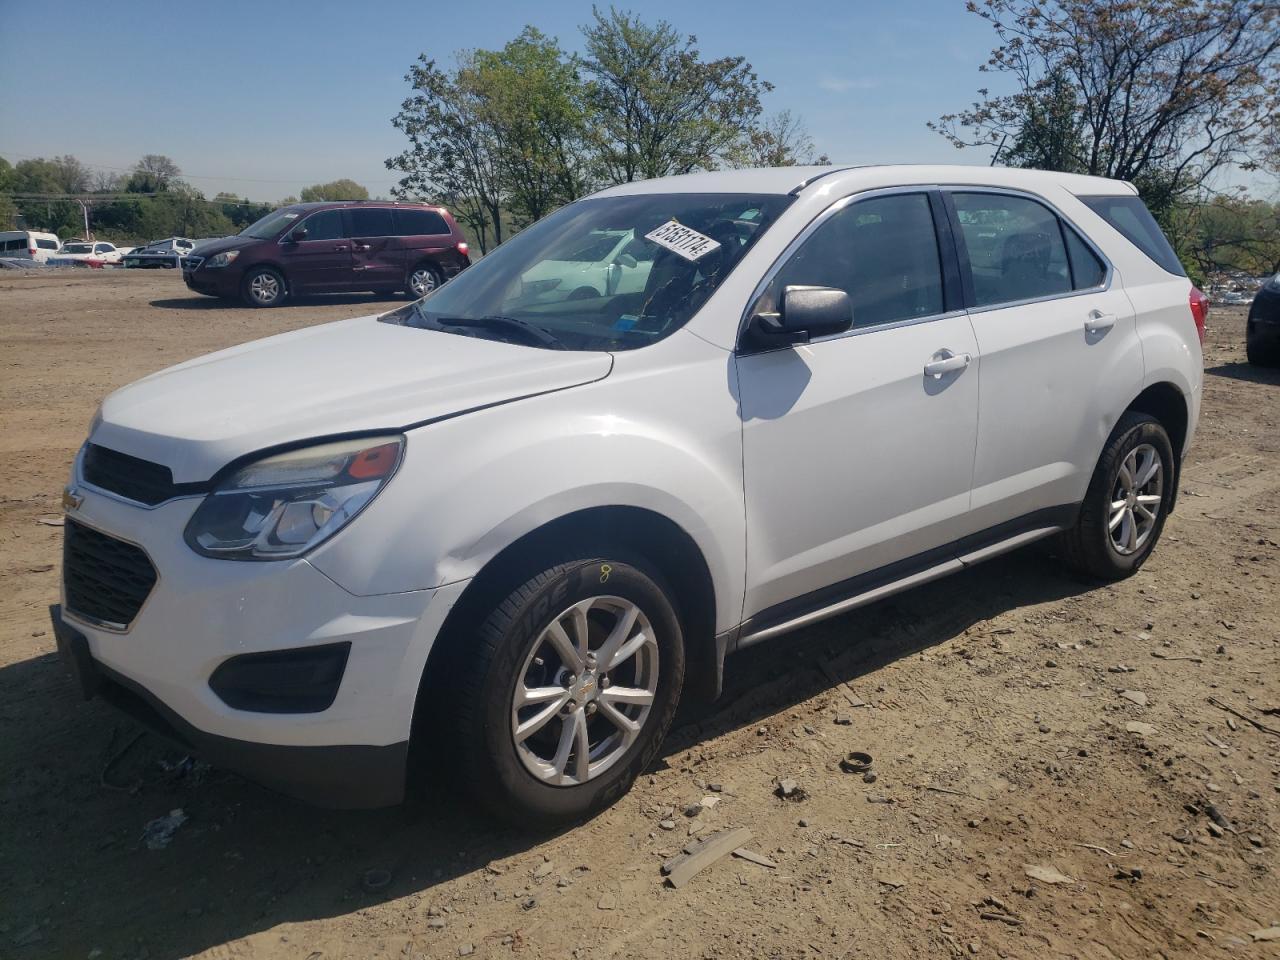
(682, 240)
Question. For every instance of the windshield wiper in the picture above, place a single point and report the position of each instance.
(506, 323)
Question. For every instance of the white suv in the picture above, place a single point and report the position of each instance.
(492, 536)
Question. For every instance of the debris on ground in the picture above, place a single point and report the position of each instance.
(1046, 874)
(698, 856)
(1135, 696)
(856, 761)
(752, 857)
(790, 789)
(157, 834)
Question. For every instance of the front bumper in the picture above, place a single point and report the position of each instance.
(220, 281)
(202, 613)
(340, 776)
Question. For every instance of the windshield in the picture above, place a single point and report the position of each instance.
(78, 248)
(270, 225)
(610, 273)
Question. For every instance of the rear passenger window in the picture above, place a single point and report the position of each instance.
(47, 244)
(419, 223)
(371, 223)
(882, 251)
(1087, 270)
(1015, 247)
(325, 225)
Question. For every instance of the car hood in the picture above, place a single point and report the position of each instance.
(210, 247)
(346, 377)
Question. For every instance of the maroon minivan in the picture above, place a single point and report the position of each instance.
(307, 248)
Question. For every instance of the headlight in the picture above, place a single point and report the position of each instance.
(284, 505)
(222, 259)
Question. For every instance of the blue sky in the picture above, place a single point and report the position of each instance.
(261, 98)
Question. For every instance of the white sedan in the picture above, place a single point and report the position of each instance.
(95, 254)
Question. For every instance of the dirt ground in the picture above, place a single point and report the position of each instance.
(992, 704)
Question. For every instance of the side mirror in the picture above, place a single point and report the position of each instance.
(804, 314)
(626, 260)
(298, 235)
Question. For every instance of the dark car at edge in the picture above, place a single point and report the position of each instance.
(1262, 332)
(331, 247)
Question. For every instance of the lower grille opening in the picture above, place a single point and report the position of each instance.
(106, 580)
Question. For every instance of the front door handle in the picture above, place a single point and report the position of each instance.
(944, 362)
(362, 246)
(1099, 322)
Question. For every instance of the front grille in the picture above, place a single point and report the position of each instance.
(131, 477)
(106, 580)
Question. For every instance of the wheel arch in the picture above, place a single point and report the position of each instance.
(647, 534)
(1166, 402)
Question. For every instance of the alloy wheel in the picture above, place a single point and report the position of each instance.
(422, 281)
(585, 691)
(1136, 498)
(264, 288)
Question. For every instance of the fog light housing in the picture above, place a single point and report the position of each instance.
(305, 680)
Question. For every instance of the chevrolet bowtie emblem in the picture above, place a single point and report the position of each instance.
(71, 500)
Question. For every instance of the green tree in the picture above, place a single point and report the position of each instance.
(659, 108)
(154, 173)
(533, 100)
(779, 140)
(453, 154)
(343, 189)
(1165, 93)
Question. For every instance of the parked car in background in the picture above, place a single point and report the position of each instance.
(1262, 329)
(96, 254)
(602, 263)
(494, 541)
(331, 247)
(28, 245)
(159, 253)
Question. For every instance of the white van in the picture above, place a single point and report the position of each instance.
(28, 244)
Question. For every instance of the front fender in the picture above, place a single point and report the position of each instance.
(656, 437)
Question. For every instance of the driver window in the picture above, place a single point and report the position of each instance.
(325, 225)
(882, 251)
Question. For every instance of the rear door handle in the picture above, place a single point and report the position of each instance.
(339, 249)
(944, 362)
(1099, 322)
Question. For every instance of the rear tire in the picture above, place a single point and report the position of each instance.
(1129, 495)
(264, 287)
(523, 700)
(421, 280)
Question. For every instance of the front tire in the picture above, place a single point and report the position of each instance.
(1129, 496)
(264, 287)
(573, 682)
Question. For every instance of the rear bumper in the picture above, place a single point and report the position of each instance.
(341, 776)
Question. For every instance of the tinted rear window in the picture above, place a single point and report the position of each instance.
(371, 223)
(47, 244)
(1130, 216)
(419, 223)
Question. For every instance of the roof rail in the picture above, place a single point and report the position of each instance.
(795, 191)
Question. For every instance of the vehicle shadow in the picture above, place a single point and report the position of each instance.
(197, 302)
(1246, 372)
(78, 791)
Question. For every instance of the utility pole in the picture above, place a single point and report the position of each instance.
(84, 208)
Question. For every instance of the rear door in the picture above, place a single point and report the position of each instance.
(855, 457)
(1060, 356)
(321, 261)
(377, 258)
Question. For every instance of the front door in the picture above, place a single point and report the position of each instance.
(318, 261)
(1060, 355)
(377, 257)
(855, 457)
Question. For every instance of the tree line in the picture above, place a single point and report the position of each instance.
(150, 202)
(506, 136)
